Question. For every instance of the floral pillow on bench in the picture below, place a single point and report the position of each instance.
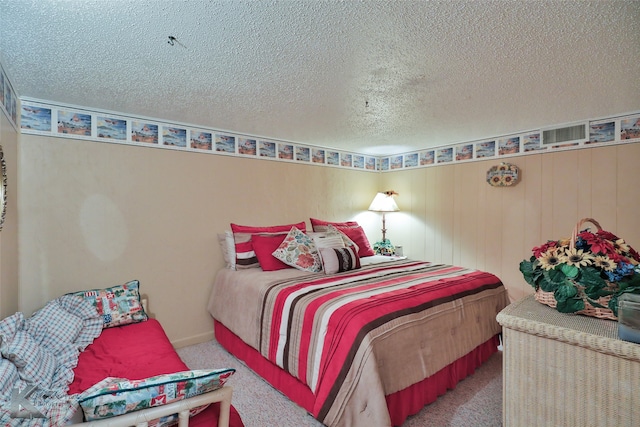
(117, 396)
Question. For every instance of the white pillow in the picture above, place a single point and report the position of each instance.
(328, 241)
(228, 247)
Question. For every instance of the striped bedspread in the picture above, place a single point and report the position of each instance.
(356, 336)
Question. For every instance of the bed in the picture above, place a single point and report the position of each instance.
(95, 358)
(368, 346)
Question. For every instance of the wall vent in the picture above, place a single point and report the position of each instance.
(575, 133)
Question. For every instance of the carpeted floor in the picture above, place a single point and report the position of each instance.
(475, 402)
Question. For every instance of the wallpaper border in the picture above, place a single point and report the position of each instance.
(618, 129)
(37, 118)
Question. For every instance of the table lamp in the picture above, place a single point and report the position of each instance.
(384, 202)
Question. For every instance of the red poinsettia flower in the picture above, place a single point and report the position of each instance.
(597, 243)
(616, 257)
(539, 250)
(607, 235)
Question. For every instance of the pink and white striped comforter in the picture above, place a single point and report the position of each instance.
(357, 336)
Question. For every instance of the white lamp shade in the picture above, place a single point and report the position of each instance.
(383, 203)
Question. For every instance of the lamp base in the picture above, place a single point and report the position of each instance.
(384, 247)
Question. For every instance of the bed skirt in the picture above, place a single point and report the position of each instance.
(401, 404)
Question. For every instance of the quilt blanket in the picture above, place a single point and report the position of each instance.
(38, 357)
(357, 336)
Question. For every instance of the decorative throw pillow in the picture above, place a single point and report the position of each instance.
(116, 396)
(351, 228)
(359, 237)
(348, 243)
(328, 241)
(245, 255)
(299, 251)
(264, 246)
(118, 305)
(337, 260)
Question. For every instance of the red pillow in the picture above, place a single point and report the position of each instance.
(321, 225)
(245, 256)
(356, 233)
(264, 246)
(352, 229)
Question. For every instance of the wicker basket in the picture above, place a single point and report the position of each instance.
(547, 298)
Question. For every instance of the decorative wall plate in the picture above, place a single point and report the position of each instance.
(503, 175)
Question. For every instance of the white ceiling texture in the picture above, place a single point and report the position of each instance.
(373, 77)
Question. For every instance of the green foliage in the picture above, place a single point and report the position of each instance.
(565, 292)
(552, 279)
(590, 277)
(528, 272)
(570, 271)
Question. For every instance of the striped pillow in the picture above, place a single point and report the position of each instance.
(332, 231)
(337, 260)
(245, 255)
(328, 241)
(350, 228)
(357, 235)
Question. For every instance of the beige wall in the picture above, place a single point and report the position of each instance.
(9, 283)
(451, 215)
(95, 215)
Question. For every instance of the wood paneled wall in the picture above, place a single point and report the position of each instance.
(449, 214)
(94, 215)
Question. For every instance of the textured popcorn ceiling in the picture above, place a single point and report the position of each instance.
(375, 77)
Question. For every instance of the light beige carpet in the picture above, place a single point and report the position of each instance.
(475, 402)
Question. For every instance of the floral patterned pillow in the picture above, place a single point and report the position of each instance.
(118, 305)
(299, 251)
(112, 397)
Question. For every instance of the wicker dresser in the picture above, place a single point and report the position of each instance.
(566, 370)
